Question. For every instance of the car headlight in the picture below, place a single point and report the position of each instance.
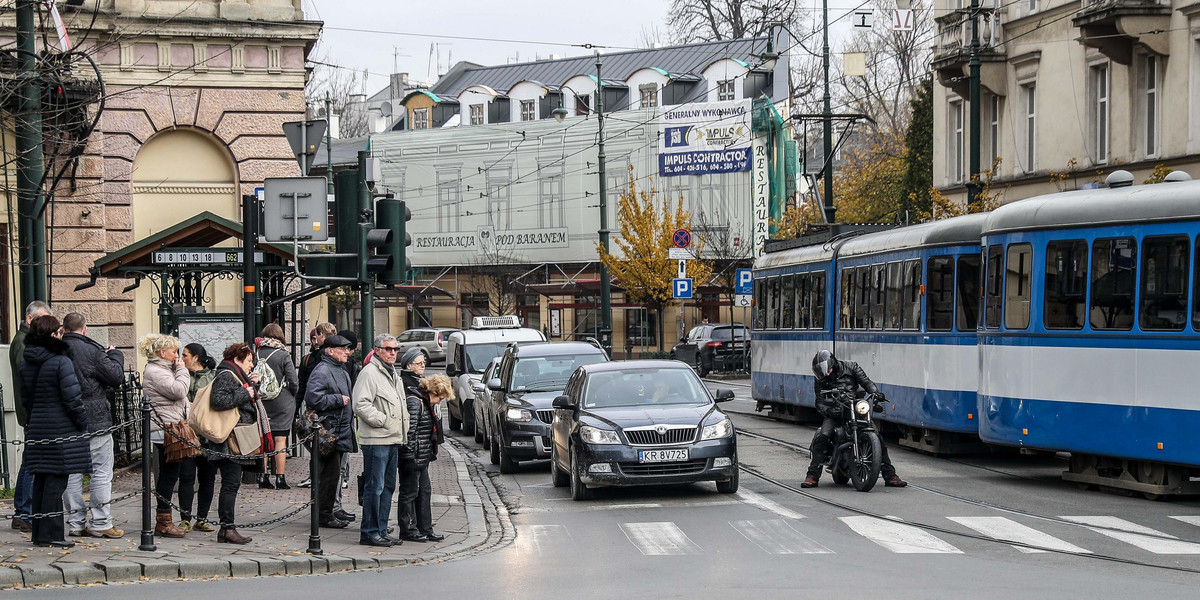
(519, 414)
(862, 407)
(721, 429)
(595, 435)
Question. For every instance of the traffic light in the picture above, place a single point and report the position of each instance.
(392, 215)
(376, 239)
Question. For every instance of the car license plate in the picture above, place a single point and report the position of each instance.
(654, 456)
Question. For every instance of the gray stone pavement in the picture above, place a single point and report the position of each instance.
(466, 509)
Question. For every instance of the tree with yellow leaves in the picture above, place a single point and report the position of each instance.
(645, 225)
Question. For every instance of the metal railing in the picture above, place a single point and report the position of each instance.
(954, 32)
(125, 404)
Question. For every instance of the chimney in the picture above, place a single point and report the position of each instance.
(397, 84)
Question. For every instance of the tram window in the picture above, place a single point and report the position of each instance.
(773, 303)
(912, 295)
(848, 297)
(817, 289)
(940, 294)
(1017, 293)
(1066, 284)
(995, 285)
(895, 289)
(802, 299)
(1114, 262)
(967, 297)
(787, 291)
(878, 294)
(1164, 283)
(862, 309)
(760, 305)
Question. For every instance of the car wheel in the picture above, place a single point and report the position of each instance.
(731, 486)
(700, 366)
(579, 490)
(557, 477)
(507, 464)
(495, 454)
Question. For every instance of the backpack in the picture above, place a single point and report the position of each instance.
(213, 425)
(269, 387)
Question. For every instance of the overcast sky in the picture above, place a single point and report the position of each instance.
(551, 27)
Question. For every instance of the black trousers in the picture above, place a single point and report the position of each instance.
(168, 476)
(47, 498)
(231, 481)
(331, 477)
(414, 512)
(198, 469)
(822, 448)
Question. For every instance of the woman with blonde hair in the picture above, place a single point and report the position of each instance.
(415, 512)
(281, 409)
(165, 382)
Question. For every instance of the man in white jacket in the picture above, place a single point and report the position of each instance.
(383, 423)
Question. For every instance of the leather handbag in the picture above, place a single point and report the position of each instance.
(179, 442)
(245, 440)
(214, 425)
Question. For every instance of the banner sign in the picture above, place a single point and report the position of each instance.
(704, 138)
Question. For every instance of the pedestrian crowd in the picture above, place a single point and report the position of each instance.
(211, 418)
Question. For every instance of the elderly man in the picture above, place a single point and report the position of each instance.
(329, 395)
(383, 415)
(98, 369)
(23, 494)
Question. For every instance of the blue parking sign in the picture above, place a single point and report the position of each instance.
(681, 289)
(745, 282)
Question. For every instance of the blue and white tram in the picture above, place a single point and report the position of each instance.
(1090, 338)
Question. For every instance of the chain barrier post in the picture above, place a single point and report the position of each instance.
(314, 475)
(147, 544)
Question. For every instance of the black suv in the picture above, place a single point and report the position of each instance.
(716, 347)
(523, 388)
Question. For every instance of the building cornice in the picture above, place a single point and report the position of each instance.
(1041, 18)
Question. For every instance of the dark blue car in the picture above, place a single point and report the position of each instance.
(640, 423)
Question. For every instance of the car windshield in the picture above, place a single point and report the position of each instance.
(477, 356)
(643, 387)
(548, 373)
(724, 334)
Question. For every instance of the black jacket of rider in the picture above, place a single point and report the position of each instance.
(846, 377)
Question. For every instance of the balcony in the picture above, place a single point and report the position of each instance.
(1115, 27)
(952, 54)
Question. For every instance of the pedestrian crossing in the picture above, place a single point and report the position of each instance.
(793, 536)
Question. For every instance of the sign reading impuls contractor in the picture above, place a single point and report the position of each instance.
(705, 138)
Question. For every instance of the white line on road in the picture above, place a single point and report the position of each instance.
(1190, 519)
(540, 537)
(776, 536)
(1157, 545)
(1005, 529)
(756, 499)
(662, 538)
(897, 537)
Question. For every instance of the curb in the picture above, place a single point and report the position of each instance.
(488, 528)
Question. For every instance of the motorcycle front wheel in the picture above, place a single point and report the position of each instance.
(865, 470)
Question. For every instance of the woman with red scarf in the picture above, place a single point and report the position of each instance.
(233, 388)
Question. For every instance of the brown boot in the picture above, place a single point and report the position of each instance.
(230, 535)
(166, 526)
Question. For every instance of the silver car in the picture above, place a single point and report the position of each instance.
(431, 341)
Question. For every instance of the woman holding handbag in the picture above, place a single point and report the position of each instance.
(233, 389)
(165, 382)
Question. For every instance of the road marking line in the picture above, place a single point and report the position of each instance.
(1134, 536)
(776, 536)
(1005, 529)
(662, 538)
(539, 535)
(1190, 519)
(897, 537)
(629, 506)
(760, 501)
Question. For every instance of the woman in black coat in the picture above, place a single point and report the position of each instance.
(415, 514)
(53, 400)
(233, 388)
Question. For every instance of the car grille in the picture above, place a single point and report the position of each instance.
(650, 437)
(679, 468)
(546, 415)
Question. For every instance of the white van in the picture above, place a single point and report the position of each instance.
(468, 353)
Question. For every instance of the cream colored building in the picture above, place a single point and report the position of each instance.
(1068, 87)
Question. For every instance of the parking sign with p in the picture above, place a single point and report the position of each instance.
(744, 283)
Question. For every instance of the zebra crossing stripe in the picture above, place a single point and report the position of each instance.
(539, 537)
(1190, 519)
(776, 536)
(898, 537)
(1137, 535)
(1005, 529)
(659, 539)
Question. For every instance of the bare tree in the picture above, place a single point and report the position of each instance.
(896, 62)
(726, 249)
(344, 86)
(713, 20)
(495, 274)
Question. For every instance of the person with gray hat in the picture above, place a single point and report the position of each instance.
(328, 394)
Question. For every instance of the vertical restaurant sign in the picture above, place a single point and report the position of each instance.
(703, 138)
(761, 195)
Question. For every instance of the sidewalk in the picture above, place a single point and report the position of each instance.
(466, 509)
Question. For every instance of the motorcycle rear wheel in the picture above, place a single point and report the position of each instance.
(865, 472)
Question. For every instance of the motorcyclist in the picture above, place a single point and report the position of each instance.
(845, 376)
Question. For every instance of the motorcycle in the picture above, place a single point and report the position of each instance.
(857, 449)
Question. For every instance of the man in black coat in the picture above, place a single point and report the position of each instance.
(328, 394)
(98, 369)
(842, 376)
(23, 492)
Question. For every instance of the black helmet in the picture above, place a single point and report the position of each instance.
(825, 364)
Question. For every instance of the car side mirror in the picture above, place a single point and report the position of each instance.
(683, 340)
(724, 395)
(563, 402)
(452, 370)
(495, 385)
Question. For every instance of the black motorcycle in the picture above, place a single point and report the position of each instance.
(857, 450)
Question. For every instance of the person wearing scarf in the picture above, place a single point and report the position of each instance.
(233, 388)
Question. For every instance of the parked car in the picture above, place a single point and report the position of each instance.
(637, 423)
(483, 402)
(469, 351)
(716, 347)
(526, 383)
(431, 340)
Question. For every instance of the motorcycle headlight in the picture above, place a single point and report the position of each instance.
(862, 407)
(595, 435)
(519, 414)
(723, 429)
